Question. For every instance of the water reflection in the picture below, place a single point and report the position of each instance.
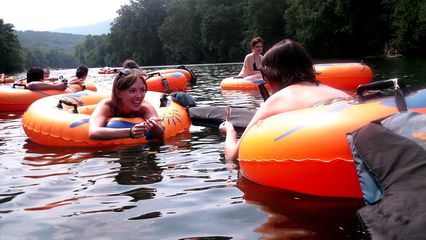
(138, 165)
(294, 215)
(183, 188)
(412, 71)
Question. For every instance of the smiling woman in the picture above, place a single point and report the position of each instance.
(55, 16)
(128, 100)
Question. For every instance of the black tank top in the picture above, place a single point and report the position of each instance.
(254, 64)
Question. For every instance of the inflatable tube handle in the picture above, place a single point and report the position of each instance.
(165, 84)
(193, 77)
(395, 83)
(20, 85)
(74, 105)
(379, 85)
(153, 74)
(263, 91)
(164, 102)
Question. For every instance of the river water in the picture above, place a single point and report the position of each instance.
(181, 189)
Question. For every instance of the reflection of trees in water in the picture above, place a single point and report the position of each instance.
(38, 155)
(295, 215)
(138, 165)
(7, 116)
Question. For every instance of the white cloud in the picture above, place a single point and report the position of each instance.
(45, 15)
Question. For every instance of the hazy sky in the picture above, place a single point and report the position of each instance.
(45, 15)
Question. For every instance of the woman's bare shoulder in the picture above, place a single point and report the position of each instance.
(105, 106)
(248, 57)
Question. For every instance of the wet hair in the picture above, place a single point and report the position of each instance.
(255, 41)
(130, 64)
(35, 74)
(123, 81)
(81, 71)
(287, 63)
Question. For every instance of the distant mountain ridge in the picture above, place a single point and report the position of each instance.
(92, 29)
(50, 40)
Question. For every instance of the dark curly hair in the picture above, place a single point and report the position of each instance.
(287, 63)
(81, 71)
(35, 74)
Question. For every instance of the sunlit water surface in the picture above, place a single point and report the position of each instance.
(182, 189)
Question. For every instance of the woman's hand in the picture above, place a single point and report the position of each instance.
(226, 127)
(156, 128)
(153, 122)
(231, 142)
(139, 130)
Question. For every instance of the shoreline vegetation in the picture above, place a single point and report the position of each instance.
(211, 31)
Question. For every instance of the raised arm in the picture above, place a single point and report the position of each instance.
(271, 107)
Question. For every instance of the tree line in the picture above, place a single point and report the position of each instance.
(203, 31)
(157, 32)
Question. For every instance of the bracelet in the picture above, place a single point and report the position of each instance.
(130, 133)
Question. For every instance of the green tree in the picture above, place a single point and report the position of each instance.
(264, 18)
(92, 52)
(408, 25)
(11, 52)
(35, 58)
(57, 58)
(180, 33)
(319, 25)
(134, 33)
(220, 32)
(337, 28)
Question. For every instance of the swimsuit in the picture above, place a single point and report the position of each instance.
(254, 65)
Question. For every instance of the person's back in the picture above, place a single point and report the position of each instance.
(80, 75)
(35, 76)
(301, 95)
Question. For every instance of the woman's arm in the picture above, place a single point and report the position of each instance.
(75, 80)
(232, 144)
(247, 66)
(47, 86)
(98, 120)
(271, 107)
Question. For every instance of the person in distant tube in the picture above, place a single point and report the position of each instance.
(253, 60)
(35, 77)
(47, 75)
(80, 75)
(129, 63)
(288, 68)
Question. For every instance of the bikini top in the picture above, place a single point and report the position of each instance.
(254, 64)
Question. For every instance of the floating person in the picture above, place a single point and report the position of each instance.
(253, 60)
(288, 68)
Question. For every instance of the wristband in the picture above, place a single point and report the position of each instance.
(130, 133)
